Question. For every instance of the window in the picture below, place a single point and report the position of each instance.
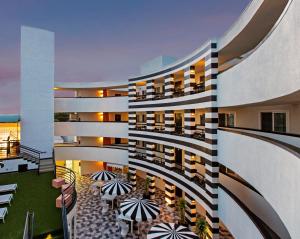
(117, 117)
(202, 120)
(273, 121)
(226, 119)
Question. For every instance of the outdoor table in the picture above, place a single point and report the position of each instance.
(122, 217)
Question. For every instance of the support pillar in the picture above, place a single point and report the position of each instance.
(190, 212)
(189, 122)
(169, 86)
(170, 195)
(189, 80)
(152, 187)
(169, 121)
(150, 89)
(132, 172)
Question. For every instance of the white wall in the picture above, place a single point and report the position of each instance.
(109, 155)
(235, 219)
(272, 170)
(97, 129)
(256, 204)
(37, 81)
(109, 104)
(13, 164)
(271, 71)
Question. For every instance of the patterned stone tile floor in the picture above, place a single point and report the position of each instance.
(91, 223)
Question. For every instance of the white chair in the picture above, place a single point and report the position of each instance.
(3, 212)
(6, 198)
(105, 207)
(124, 228)
(8, 188)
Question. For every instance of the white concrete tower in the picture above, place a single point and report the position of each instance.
(37, 82)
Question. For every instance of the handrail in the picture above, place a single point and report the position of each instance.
(264, 131)
(68, 194)
(29, 225)
(35, 154)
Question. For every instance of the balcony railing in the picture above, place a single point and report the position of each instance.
(199, 179)
(178, 92)
(199, 133)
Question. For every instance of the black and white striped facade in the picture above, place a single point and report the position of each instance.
(185, 105)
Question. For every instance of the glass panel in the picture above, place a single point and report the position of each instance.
(266, 121)
(230, 120)
(222, 120)
(280, 122)
(202, 120)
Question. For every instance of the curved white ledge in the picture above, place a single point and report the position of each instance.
(91, 85)
(108, 155)
(235, 218)
(159, 172)
(271, 169)
(106, 104)
(271, 71)
(93, 129)
(199, 100)
(250, 28)
(191, 59)
(184, 143)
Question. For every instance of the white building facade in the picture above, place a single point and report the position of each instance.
(219, 128)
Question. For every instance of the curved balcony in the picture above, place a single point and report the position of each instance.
(92, 129)
(250, 28)
(235, 218)
(178, 102)
(193, 145)
(261, 76)
(176, 177)
(109, 154)
(269, 166)
(105, 104)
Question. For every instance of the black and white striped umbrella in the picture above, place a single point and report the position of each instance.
(170, 231)
(103, 176)
(116, 187)
(139, 209)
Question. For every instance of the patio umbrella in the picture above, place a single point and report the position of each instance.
(139, 209)
(170, 231)
(103, 176)
(116, 187)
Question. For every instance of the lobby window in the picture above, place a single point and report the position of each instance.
(274, 121)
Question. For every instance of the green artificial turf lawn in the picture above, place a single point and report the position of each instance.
(34, 192)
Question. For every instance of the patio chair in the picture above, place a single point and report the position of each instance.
(6, 198)
(8, 188)
(105, 207)
(124, 228)
(3, 212)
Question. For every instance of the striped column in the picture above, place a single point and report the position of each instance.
(132, 120)
(189, 164)
(169, 121)
(169, 157)
(190, 212)
(169, 86)
(211, 135)
(189, 122)
(150, 89)
(170, 195)
(189, 80)
(132, 92)
(150, 151)
(132, 172)
(132, 148)
(151, 185)
(150, 120)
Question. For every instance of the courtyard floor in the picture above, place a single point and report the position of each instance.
(91, 223)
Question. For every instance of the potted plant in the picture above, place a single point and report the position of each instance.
(181, 207)
(201, 228)
(146, 194)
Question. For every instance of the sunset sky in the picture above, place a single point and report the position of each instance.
(106, 40)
